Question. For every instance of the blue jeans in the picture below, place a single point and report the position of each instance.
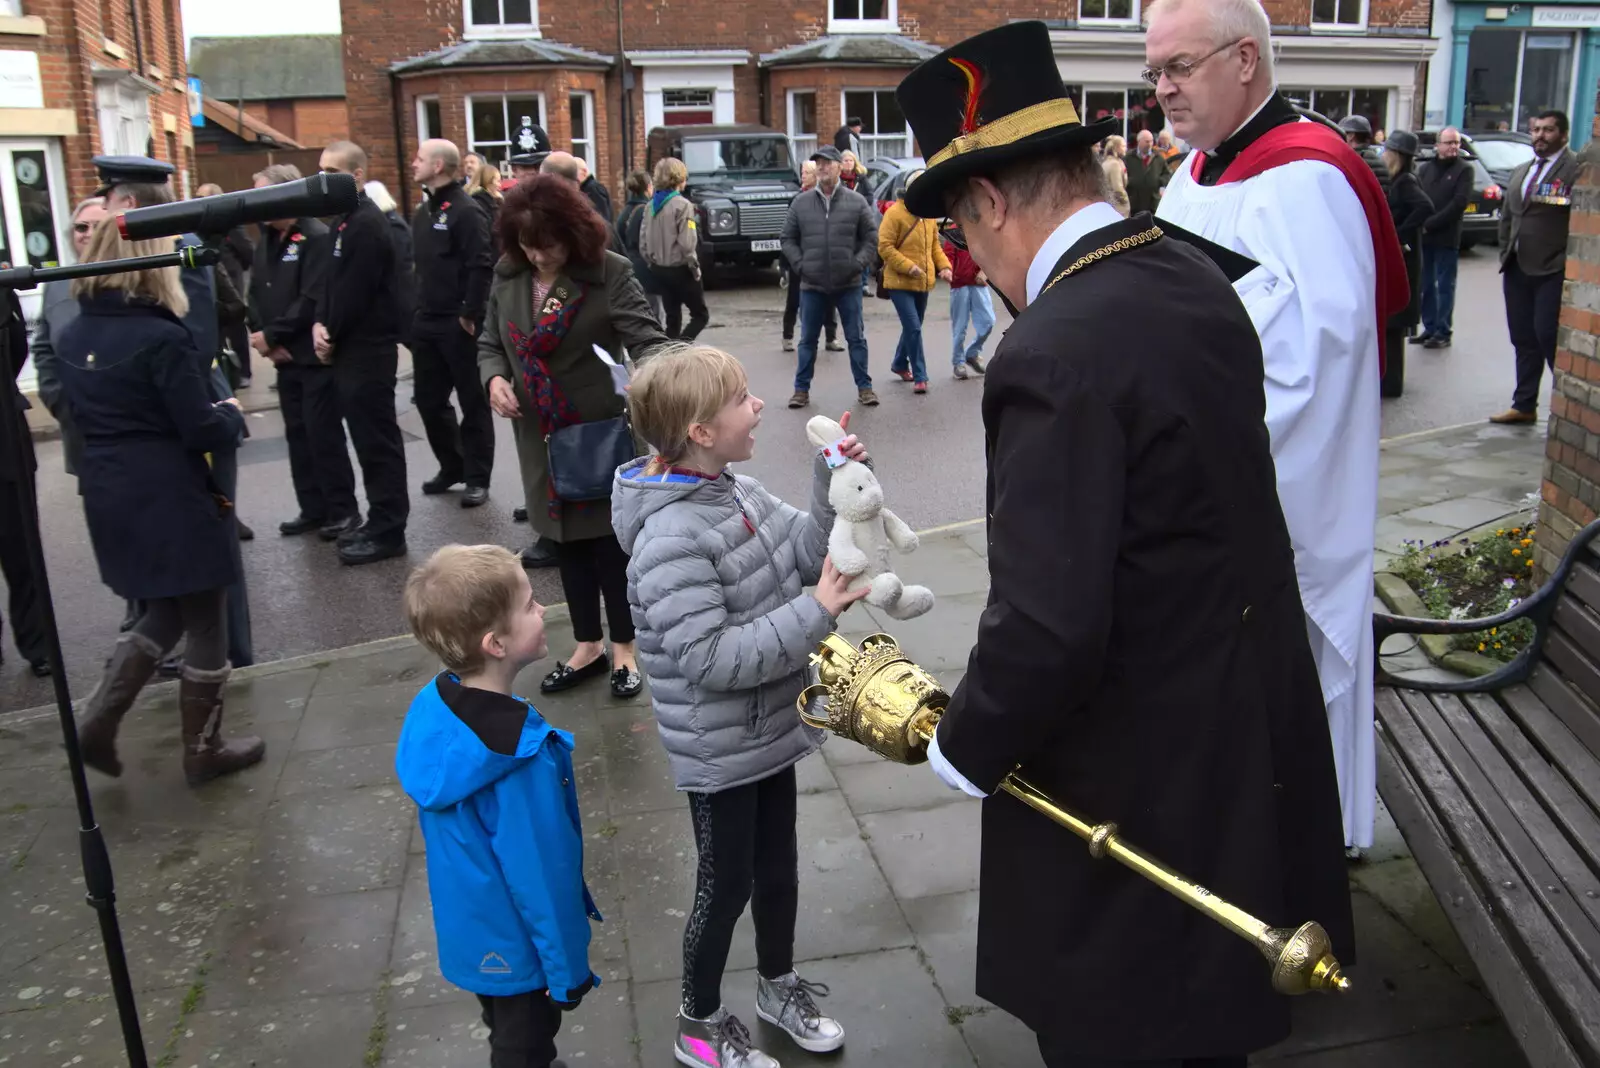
(908, 356)
(814, 305)
(969, 302)
(1438, 289)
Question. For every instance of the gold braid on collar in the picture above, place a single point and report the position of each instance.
(1123, 244)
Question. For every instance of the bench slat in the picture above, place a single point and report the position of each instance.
(1584, 677)
(1566, 806)
(1531, 1023)
(1510, 798)
(1547, 715)
(1583, 582)
(1540, 946)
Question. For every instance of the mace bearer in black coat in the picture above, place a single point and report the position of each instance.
(1143, 656)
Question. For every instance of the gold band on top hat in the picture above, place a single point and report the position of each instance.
(1035, 118)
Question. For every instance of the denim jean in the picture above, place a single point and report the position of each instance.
(908, 355)
(969, 302)
(1439, 289)
(814, 305)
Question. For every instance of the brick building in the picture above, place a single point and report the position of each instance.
(79, 78)
(1571, 490)
(599, 76)
(293, 84)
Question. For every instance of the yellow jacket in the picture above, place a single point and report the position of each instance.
(905, 240)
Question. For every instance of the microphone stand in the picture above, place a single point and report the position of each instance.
(100, 887)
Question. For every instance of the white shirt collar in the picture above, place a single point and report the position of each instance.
(1069, 233)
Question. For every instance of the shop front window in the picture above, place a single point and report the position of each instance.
(1336, 104)
(1513, 75)
(1134, 109)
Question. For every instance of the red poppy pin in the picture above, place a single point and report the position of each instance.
(445, 206)
(297, 237)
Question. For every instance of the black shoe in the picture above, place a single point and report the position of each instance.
(474, 496)
(519, 515)
(538, 554)
(1437, 343)
(336, 530)
(355, 533)
(1420, 339)
(245, 533)
(625, 682)
(366, 550)
(40, 668)
(565, 678)
(300, 524)
(440, 483)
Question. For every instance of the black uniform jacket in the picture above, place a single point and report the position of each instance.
(1143, 658)
(455, 260)
(364, 303)
(287, 286)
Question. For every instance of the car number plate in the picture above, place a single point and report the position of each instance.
(766, 246)
(1472, 209)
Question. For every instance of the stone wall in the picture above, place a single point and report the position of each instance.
(1571, 490)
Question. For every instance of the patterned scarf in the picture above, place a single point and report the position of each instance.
(553, 321)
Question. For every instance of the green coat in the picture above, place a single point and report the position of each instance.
(614, 315)
(1145, 181)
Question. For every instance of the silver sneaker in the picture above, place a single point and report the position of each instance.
(719, 1041)
(961, 370)
(786, 1003)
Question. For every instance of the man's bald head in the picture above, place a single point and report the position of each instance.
(210, 189)
(436, 163)
(346, 157)
(583, 169)
(562, 164)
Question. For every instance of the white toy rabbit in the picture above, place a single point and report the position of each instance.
(864, 531)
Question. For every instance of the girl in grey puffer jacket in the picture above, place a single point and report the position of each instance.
(716, 581)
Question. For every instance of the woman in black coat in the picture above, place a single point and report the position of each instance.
(162, 531)
(1411, 207)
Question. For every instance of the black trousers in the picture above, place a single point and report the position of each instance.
(319, 459)
(1054, 1057)
(365, 378)
(678, 287)
(791, 308)
(589, 569)
(241, 640)
(444, 357)
(748, 854)
(522, 1029)
(238, 335)
(1533, 314)
(27, 612)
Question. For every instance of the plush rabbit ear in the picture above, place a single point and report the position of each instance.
(823, 431)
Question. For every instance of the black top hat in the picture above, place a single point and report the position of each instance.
(130, 170)
(991, 100)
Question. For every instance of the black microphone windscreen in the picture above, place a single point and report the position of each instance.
(316, 196)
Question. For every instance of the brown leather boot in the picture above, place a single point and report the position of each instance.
(205, 754)
(133, 661)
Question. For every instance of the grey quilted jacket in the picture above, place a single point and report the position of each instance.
(725, 627)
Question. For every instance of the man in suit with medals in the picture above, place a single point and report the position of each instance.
(1143, 655)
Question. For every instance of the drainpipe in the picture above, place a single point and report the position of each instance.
(138, 38)
(625, 105)
(404, 199)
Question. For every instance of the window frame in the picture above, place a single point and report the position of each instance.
(910, 138)
(472, 31)
(1341, 27)
(472, 142)
(790, 98)
(588, 153)
(1132, 20)
(425, 131)
(889, 24)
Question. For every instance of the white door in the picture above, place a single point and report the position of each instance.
(35, 213)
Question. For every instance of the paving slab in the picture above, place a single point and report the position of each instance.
(284, 1034)
(927, 851)
(346, 768)
(1462, 513)
(879, 785)
(1468, 1046)
(321, 844)
(85, 1031)
(892, 1015)
(599, 1033)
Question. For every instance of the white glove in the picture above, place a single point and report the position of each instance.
(947, 772)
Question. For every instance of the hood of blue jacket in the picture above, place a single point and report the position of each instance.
(442, 760)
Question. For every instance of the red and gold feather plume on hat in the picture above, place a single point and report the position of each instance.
(974, 76)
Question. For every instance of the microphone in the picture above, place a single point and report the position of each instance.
(317, 196)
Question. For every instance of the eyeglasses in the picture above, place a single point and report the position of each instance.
(1181, 70)
(953, 234)
(82, 227)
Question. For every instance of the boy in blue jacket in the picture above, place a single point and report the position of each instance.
(499, 811)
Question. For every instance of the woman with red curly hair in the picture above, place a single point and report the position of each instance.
(557, 294)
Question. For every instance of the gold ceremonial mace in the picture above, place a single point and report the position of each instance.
(876, 696)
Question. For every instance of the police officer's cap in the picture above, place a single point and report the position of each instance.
(1356, 124)
(529, 159)
(130, 170)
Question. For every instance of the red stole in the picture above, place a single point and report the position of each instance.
(1296, 141)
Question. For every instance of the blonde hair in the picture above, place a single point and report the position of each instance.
(159, 285)
(486, 178)
(462, 593)
(677, 389)
(670, 173)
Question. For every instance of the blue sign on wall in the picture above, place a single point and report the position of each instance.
(196, 94)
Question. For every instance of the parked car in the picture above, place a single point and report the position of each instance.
(1502, 151)
(1481, 224)
(885, 176)
(741, 180)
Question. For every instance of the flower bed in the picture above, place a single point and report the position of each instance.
(1465, 578)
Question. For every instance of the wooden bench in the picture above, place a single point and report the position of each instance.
(1495, 784)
